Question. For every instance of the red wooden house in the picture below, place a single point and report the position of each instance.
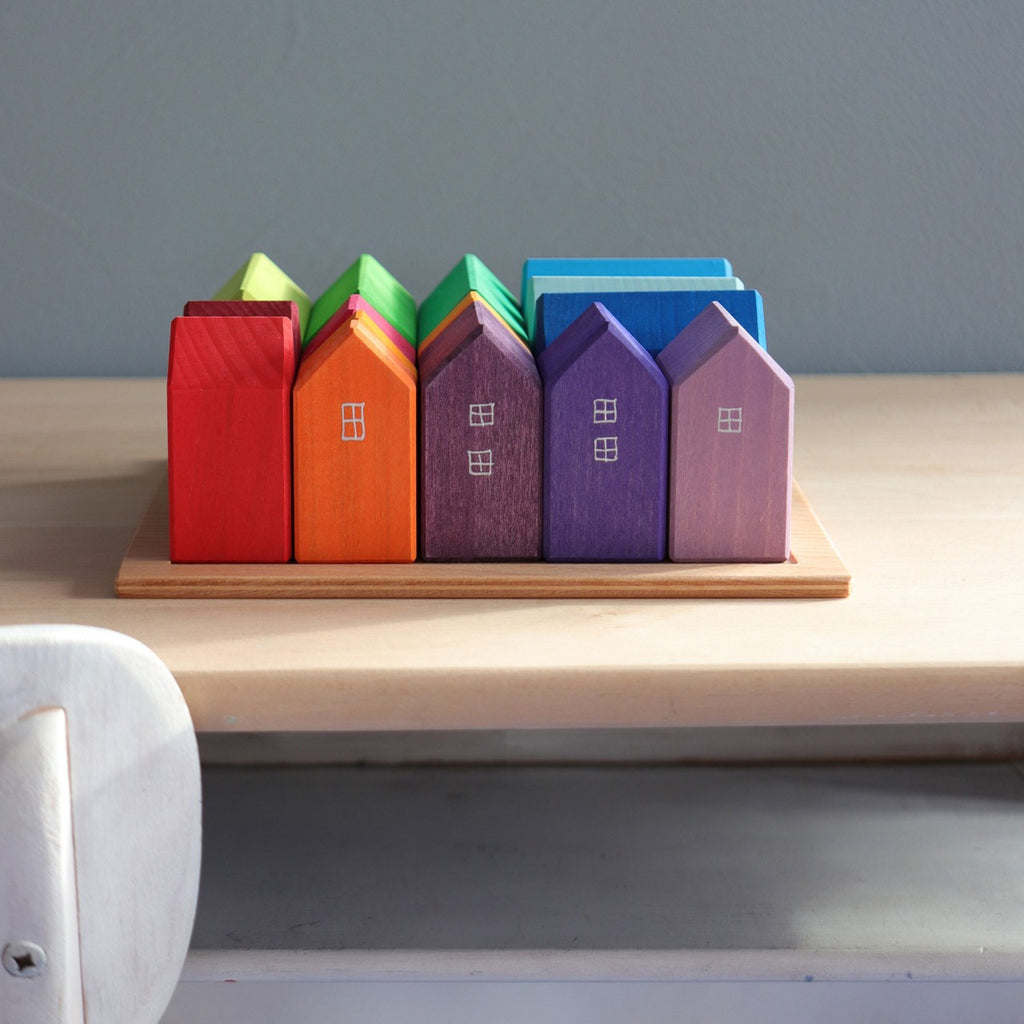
(229, 382)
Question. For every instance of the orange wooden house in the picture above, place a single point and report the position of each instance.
(354, 444)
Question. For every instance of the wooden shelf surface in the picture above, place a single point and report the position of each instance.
(918, 480)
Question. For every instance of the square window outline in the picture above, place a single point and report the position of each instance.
(481, 462)
(353, 415)
(481, 414)
(606, 449)
(606, 410)
(730, 419)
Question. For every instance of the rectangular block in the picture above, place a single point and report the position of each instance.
(229, 385)
(653, 318)
(558, 266)
(541, 285)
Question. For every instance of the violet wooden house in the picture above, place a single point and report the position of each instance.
(480, 443)
(731, 445)
(605, 445)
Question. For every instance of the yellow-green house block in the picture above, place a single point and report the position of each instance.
(260, 279)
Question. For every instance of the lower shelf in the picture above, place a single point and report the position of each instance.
(814, 570)
(635, 873)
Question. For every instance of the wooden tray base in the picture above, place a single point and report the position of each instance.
(814, 570)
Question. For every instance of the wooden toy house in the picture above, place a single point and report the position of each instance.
(354, 421)
(367, 278)
(260, 279)
(731, 445)
(229, 381)
(470, 274)
(605, 445)
(480, 443)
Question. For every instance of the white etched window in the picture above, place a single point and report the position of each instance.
(606, 410)
(481, 463)
(730, 421)
(353, 425)
(606, 449)
(481, 414)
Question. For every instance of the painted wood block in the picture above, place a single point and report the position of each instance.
(464, 303)
(229, 384)
(470, 274)
(539, 285)
(367, 277)
(653, 318)
(480, 443)
(260, 279)
(354, 417)
(241, 307)
(620, 267)
(354, 304)
(731, 445)
(605, 445)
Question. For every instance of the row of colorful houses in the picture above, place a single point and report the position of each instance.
(360, 429)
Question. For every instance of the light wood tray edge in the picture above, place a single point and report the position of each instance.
(814, 571)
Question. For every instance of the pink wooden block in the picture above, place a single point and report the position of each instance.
(356, 303)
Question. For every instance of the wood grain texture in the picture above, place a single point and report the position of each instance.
(480, 443)
(470, 274)
(229, 438)
(605, 445)
(241, 307)
(814, 570)
(123, 764)
(921, 639)
(457, 310)
(540, 285)
(261, 279)
(653, 318)
(353, 304)
(367, 277)
(621, 267)
(731, 445)
(354, 417)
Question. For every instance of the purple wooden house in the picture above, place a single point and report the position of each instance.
(480, 443)
(605, 445)
(731, 445)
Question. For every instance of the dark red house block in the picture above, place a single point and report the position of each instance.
(731, 446)
(605, 445)
(248, 307)
(480, 443)
(229, 385)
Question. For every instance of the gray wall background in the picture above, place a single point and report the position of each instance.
(861, 164)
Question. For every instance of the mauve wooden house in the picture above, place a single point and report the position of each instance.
(605, 445)
(480, 443)
(731, 445)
